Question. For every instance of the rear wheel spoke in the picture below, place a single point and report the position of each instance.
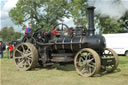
(29, 63)
(21, 64)
(29, 54)
(23, 48)
(28, 50)
(29, 58)
(19, 51)
(19, 57)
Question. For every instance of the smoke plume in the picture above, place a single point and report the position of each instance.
(111, 8)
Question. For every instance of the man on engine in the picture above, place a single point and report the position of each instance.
(28, 30)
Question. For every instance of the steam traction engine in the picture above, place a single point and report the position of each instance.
(86, 49)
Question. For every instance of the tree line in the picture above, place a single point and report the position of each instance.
(46, 13)
(8, 34)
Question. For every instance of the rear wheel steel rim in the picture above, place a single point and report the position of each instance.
(25, 56)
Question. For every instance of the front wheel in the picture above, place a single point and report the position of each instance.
(109, 53)
(87, 62)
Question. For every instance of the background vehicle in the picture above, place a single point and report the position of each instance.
(118, 42)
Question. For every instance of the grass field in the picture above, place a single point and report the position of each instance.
(61, 75)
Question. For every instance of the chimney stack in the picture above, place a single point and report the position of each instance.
(91, 29)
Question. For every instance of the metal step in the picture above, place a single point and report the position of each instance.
(62, 59)
(107, 61)
(48, 64)
(62, 54)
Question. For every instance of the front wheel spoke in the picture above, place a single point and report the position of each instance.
(88, 55)
(89, 70)
(82, 59)
(82, 70)
(90, 60)
(84, 62)
(86, 58)
(109, 53)
(93, 66)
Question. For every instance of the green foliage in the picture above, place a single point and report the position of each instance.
(46, 13)
(8, 34)
(125, 20)
(108, 25)
(40, 13)
(78, 11)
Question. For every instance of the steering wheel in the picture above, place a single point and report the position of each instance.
(39, 36)
(61, 28)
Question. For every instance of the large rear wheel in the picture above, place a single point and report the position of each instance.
(25, 56)
(87, 62)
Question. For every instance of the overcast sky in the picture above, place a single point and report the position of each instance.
(5, 20)
(6, 5)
